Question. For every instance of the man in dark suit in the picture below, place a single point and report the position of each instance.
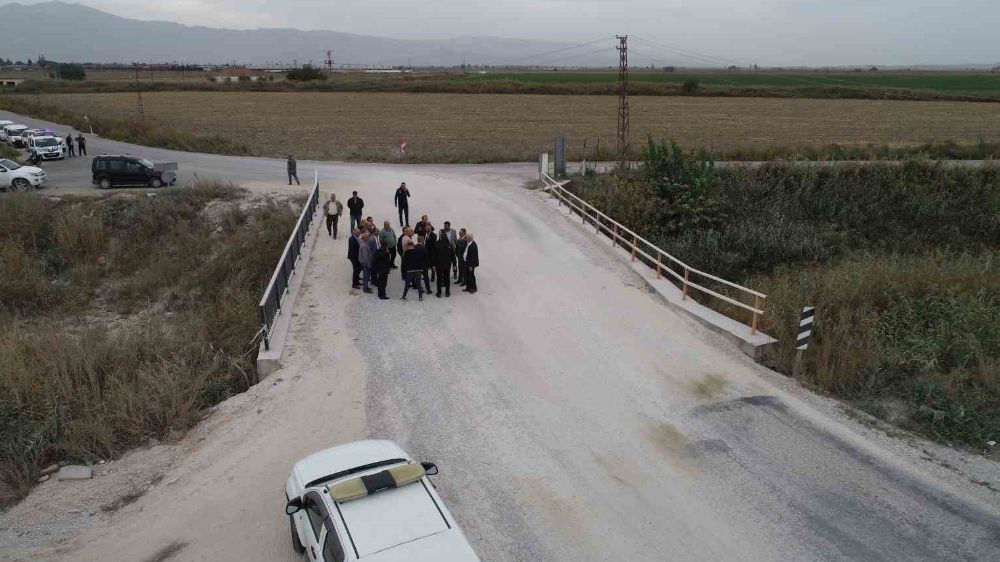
(444, 260)
(471, 263)
(353, 248)
(380, 267)
(402, 201)
(356, 205)
(460, 247)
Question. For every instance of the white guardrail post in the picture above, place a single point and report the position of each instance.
(626, 238)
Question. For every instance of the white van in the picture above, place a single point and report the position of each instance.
(12, 134)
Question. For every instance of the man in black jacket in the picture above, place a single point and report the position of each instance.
(380, 267)
(471, 263)
(460, 247)
(293, 170)
(356, 205)
(402, 202)
(430, 240)
(415, 266)
(353, 246)
(444, 260)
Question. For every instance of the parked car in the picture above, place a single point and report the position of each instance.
(111, 170)
(47, 147)
(15, 177)
(370, 501)
(3, 133)
(12, 133)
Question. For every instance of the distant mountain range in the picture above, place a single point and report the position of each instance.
(63, 31)
(67, 32)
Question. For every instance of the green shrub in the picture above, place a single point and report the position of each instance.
(69, 71)
(305, 74)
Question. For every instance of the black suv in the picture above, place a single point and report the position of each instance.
(130, 170)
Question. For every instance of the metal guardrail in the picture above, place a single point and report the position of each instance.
(658, 259)
(270, 303)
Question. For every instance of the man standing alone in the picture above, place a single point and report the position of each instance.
(293, 170)
(81, 145)
(356, 205)
(471, 263)
(402, 201)
(332, 209)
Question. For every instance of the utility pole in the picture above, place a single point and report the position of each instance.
(329, 61)
(138, 92)
(623, 112)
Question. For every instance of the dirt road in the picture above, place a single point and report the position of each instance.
(573, 415)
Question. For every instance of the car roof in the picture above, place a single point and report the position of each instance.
(393, 517)
(345, 457)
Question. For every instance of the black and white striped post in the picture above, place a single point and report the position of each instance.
(802, 340)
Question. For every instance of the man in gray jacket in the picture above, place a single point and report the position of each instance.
(366, 255)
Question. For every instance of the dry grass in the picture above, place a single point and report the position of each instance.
(124, 317)
(488, 127)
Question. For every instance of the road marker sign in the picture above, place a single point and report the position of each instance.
(802, 340)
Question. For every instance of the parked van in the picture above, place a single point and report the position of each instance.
(10, 131)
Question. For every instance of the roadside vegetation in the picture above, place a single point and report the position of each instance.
(124, 316)
(943, 86)
(10, 153)
(899, 261)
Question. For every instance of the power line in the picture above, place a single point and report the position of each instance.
(556, 51)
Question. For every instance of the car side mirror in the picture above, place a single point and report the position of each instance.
(293, 506)
(430, 469)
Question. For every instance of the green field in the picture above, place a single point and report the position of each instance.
(943, 82)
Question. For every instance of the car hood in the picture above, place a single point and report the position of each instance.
(447, 546)
(31, 170)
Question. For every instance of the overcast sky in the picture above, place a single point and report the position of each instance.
(767, 32)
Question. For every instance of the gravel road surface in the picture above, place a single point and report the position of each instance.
(574, 416)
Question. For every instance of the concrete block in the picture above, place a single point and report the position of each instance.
(75, 472)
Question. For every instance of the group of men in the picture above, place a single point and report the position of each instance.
(81, 146)
(427, 254)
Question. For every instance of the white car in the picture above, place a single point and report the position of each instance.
(46, 147)
(15, 177)
(370, 501)
(13, 132)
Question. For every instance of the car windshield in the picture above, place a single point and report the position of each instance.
(9, 164)
(146, 163)
(46, 142)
